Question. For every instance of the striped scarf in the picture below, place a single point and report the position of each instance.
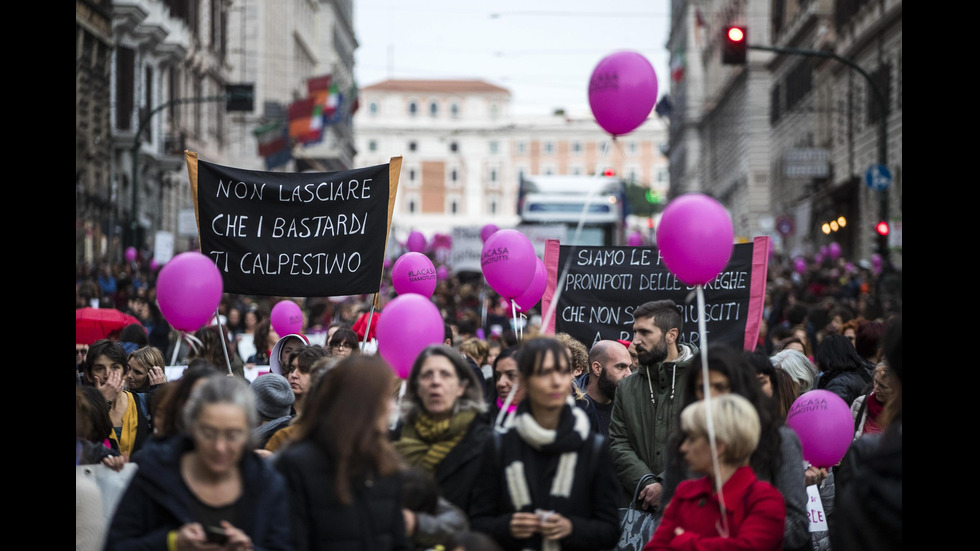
(426, 442)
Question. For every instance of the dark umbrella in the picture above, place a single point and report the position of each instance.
(92, 324)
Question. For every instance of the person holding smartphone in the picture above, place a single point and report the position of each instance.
(202, 489)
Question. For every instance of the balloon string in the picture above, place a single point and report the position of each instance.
(706, 390)
(368, 330)
(513, 310)
(224, 345)
(571, 252)
(180, 339)
(398, 404)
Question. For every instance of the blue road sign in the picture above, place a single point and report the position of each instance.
(878, 177)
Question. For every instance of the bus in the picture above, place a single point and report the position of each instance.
(559, 203)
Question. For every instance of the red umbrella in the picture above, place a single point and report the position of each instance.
(92, 324)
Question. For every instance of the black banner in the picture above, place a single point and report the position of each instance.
(605, 284)
(311, 234)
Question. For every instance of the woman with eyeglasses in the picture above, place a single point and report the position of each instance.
(344, 343)
(203, 489)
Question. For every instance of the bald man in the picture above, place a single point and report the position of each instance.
(609, 363)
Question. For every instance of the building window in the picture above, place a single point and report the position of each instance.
(549, 148)
(494, 147)
(454, 147)
(452, 204)
(521, 148)
(411, 205)
(412, 146)
(433, 109)
(372, 145)
(493, 174)
(494, 110)
(492, 204)
(413, 178)
(373, 108)
(454, 110)
(413, 109)
(634, 147)
(576, 147)
(576, 171)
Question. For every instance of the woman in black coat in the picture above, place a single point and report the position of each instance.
(548, 481)
(341, 471)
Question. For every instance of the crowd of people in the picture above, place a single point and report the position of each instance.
(501, 437)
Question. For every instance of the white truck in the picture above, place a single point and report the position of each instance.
(558, 205)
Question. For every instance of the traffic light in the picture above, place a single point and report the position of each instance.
(733, 45)
(882, 228)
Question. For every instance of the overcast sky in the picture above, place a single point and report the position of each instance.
(543, 51)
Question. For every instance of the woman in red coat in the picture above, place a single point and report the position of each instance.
(754, 513)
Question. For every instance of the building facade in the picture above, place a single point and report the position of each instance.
(785, 140)
(463, 152)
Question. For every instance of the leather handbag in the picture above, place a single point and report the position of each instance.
(636, 526)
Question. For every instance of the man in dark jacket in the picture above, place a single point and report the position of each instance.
(609, 362)
(646, 403)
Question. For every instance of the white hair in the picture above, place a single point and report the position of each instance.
(799, 367)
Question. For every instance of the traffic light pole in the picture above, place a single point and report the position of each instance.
(134, 222)
(882, 102)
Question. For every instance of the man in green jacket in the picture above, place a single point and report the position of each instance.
(647, 403)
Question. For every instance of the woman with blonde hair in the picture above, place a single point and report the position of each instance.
(728, 507)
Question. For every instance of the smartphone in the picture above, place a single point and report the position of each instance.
(216, 534)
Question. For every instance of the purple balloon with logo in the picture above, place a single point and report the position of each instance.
(286, 318)
(414, 273)
(508, 261)
(824, 423)
(696, 238)
(622, 91)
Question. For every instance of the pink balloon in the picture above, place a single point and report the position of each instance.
(635, 239)
(508, 262)
(824, 424)
(487, 231)
(442, 273)
(414, 273)
(834, 250)
(696, 238)
(406, 326)
(416, 242)
(532, 295)
(622, 92)
(130, 254)
(876, 262)
(818, 258)
(154, 264)
(189, 289)
(823, 250)
(286, 318)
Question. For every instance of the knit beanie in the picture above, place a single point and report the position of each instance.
(273, 396)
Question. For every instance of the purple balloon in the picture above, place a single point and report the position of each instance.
(824, 423)
(286, 318)
(696, 238)
(130, 254)
(154, 264)
(834, 250)
(532, 295)
(487, 231)
(416, 242)
(508, 262)
(799, 265)
(635, 239)
(442, 273)
(189, 289)
(414, 273)
(622, 91)
(406, 326)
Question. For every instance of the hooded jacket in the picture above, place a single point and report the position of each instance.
(645, 407)
(274, 363)
(158, 501)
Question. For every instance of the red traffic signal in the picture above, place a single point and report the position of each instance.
(882, 228)
(734, 44)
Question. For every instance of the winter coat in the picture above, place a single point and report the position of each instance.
(638, 427)
(372, 522)
(158, 500)
(754, 510)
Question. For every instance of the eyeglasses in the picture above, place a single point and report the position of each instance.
(211, 434)
(342, 346)
(81, 351)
